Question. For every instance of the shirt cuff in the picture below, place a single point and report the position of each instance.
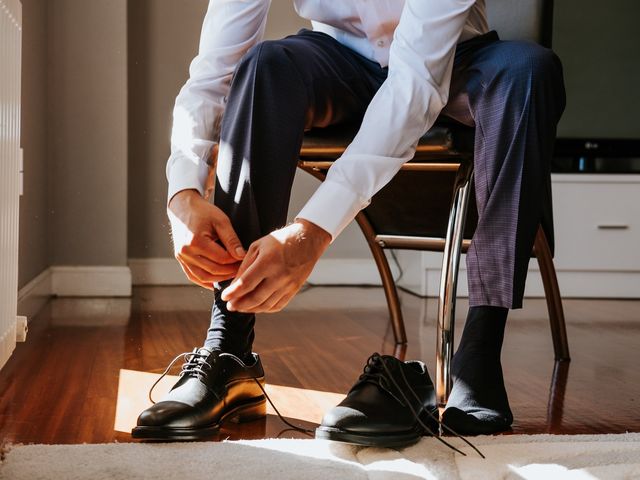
(185, 174)
(332, 207)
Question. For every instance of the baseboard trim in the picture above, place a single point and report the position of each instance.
(419, 277)
(157, 271)
(35, 294)
(73, 281)
(573, 284)
(347, 271)
(91, 281)
(328, 271)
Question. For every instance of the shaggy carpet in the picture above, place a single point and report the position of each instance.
(508, 457)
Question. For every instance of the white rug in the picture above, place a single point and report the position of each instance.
(546, 457)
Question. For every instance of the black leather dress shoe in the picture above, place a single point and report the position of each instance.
(389, 406)
(213, 387)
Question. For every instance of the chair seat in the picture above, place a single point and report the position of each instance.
(445, 140)
(442, 146)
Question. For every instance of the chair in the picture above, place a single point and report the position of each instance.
(443, 153)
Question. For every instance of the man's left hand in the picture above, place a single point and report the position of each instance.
(275, 268)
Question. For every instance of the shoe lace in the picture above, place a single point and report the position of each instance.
(195, 364)
(375, 374)
(374, 369)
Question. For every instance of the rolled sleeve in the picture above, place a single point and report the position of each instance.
(185, 174)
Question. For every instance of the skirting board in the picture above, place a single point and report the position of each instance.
(35, 294)
(157, 271)
(109, 281)
(73, 281)
(347, 271)
(418, 276)
(422, 277)
(573, 284)
(91, 281)
(329, 271)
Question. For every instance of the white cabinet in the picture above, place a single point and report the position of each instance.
(597, 226)
(597, 222)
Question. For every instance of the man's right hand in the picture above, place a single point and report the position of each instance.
(196, 226)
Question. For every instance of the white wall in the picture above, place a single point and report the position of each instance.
(35, 252)
(87, 81)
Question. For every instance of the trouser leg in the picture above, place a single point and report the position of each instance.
(279, 88)
(513, 93)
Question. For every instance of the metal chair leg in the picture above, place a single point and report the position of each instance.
(449, 281)
(388, 283)
(552, 294)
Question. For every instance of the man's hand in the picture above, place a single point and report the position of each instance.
(196, 226)
(275, 268)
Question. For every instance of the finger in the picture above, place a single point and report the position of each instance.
(269, 303)
(189, 274)
(283, 302)
(248, 261)
(244, 266)
(246, 282)
(223, 278)
(229, 239)
(253, 299)
(206, 277)
(206, 247)
(211, 267)
(202, 275)
(197, 275)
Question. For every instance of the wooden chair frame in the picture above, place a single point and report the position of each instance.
(316, 158)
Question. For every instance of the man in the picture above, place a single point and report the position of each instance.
(395, 66)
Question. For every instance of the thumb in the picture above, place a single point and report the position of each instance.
(229, 239)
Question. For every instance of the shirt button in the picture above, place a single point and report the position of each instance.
(381, 43)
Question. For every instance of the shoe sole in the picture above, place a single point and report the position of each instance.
(383, 440)
(255, 409)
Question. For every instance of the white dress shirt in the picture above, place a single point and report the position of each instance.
(416, 39)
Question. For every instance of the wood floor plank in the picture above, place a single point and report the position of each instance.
(63, 384)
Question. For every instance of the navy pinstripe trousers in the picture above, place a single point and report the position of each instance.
(511, 92)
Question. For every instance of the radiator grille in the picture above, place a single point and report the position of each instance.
(10, 75)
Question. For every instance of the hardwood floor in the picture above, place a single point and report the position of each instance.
(84, 372)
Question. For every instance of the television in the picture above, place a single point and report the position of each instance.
(599, 45)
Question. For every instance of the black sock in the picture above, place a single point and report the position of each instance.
(478, 402)
(230, 332)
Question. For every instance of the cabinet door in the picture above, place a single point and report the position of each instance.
(597, 224)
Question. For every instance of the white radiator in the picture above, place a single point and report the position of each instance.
(10, 74)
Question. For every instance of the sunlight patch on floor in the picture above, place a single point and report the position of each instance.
(541, 471)
(294, 403)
